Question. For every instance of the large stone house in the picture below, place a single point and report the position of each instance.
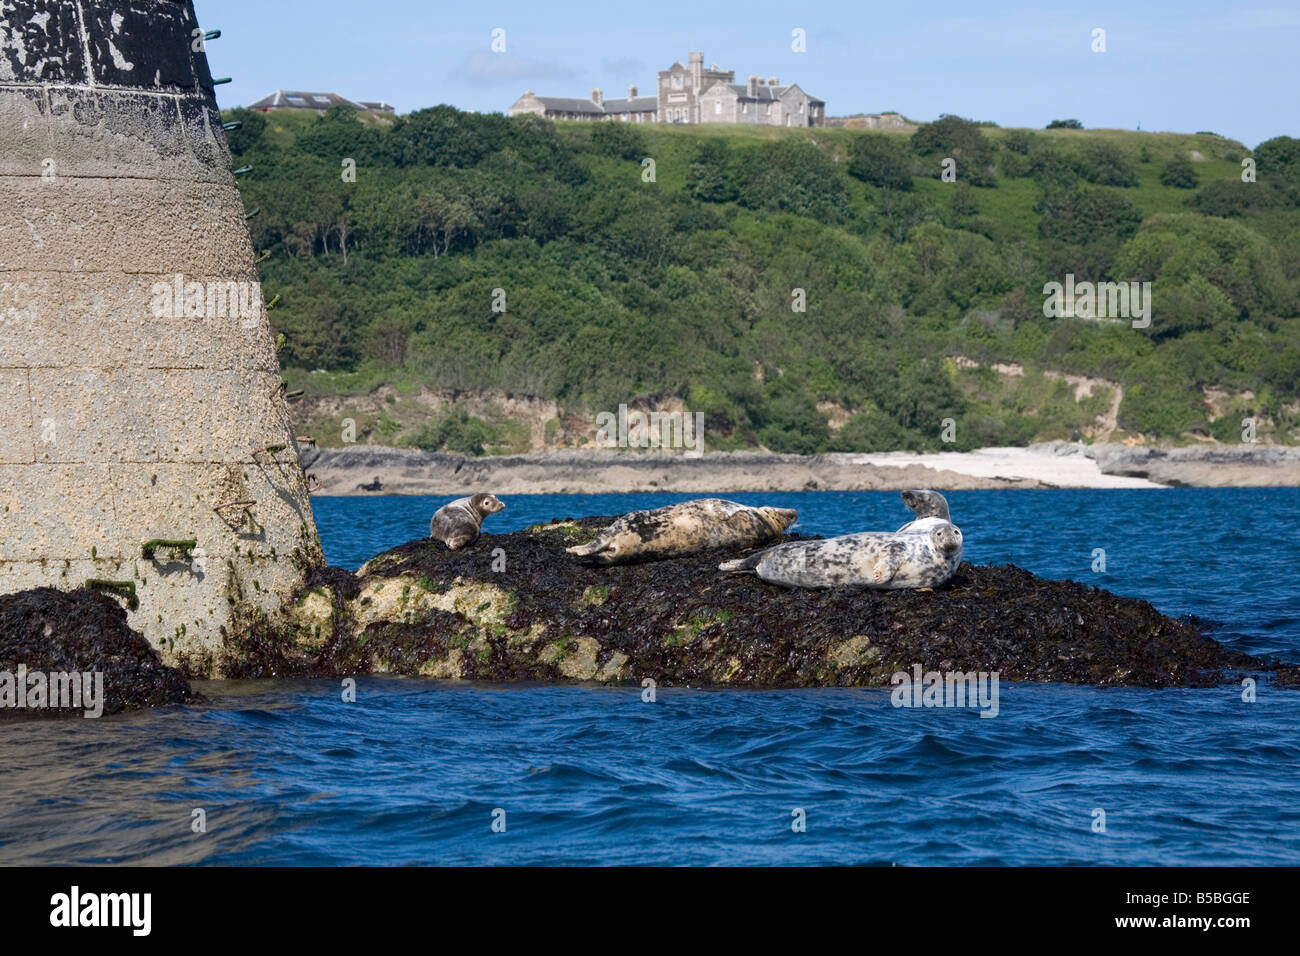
(689, 94)
(763, 104)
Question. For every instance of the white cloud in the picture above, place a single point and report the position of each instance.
(484, 68)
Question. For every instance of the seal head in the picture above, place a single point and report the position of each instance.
(926, 504)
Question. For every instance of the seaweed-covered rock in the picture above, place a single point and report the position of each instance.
(50, 631)
(516, 607)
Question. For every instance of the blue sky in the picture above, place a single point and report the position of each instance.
(1231, 68)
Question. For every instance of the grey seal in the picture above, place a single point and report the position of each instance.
(685, 528)
(456, 524)
(873, 559)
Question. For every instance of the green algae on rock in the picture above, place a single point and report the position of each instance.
(515, 607)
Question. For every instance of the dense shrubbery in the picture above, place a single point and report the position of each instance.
(1179, 173)
(881, 160)
(616, 288)
(963, 141)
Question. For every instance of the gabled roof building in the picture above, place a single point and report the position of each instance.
(320, 102)
(689, 94)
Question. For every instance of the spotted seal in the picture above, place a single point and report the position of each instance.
(684, 528)
(456, 524)
(874, 559)
(931, 508)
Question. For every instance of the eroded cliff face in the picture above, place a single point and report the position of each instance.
(144, 395)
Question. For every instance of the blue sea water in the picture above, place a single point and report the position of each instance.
(414, 771)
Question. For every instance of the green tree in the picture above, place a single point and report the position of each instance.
(1179, 173)
(962, 140)
(252, 125)
(1106, 165)
(617, 140)
(709, 177)
(880, 160)
(1082, 213)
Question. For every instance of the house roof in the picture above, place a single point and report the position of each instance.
(303, 100)
(566, 104)
(765, 93)
(638, 104)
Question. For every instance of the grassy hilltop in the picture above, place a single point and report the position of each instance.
(923, 297)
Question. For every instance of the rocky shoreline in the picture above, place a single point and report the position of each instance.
(48, 631)
(514, 607)
(421, 610)
(373, 469)
(1198, 466)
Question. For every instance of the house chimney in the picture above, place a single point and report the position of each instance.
(771, 81)
(596, 97)
(631, 92)
(751, 87)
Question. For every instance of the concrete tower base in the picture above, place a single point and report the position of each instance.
(141, 389)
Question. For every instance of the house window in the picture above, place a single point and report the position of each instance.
(677, 82)
(320, 99)
(717, 107)
(800, 109)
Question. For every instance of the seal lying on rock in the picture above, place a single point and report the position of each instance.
(927, 505)
(874, 559)
(456, 524)
(684, 528)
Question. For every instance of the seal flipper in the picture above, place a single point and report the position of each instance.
(746, 565)
(884, 570)
(595, 545)
(458, 541)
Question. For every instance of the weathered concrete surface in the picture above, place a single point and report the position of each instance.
(82, 631)
(420, 609)
(134, 413)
